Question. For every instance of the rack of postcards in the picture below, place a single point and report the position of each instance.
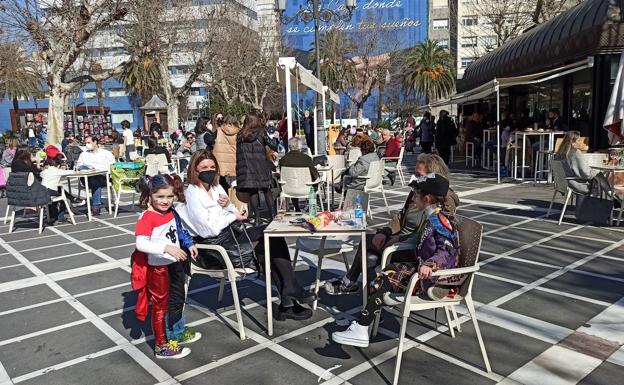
(88, 124)
(37, 120)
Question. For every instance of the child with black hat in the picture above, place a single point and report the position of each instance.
(437, 249)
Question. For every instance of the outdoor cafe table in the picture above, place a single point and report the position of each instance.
(282, 228)
(549, 134)
(85, 175)
(609, 172)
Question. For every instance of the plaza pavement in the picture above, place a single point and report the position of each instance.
(549, 302)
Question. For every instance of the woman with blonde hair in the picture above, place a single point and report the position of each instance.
(575, 165)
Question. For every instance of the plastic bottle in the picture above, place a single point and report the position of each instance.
(312, 202)
(359, 212)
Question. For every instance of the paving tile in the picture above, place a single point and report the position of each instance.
(96, 233)
(120, 252)
(499, 246)
(262, 368)
(26, 296)
(548, 255)
(113, 368)
(111, 241)
(588, 286)
(95, 281)
(590, 345)
(501, 219)
(36, 319)
(553, 308)
(73, 262)
(419, 367)
(497, 344)
(52, 252)
(486, 290)
(515, 270)
(14, 273)
(575, 244)
(604, 266)
(53, 348)
(606, 373)
(7, 260)
(522, 235)
(110, 300)
(599, 233)
(35, 242)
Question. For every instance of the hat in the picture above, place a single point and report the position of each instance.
(53, 152)
(433, 184)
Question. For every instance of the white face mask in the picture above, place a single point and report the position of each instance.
(89, 146)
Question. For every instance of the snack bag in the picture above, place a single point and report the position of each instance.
(319, 221)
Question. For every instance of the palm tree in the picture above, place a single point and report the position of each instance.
(335, 50)
(18, 76)
(428, 71)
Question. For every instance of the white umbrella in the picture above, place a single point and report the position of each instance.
(615, 110)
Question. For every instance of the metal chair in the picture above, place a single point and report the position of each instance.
(470, 234)
(470, 153)
(296, 183)
(562, 186)
(229, 274)
(398, 168)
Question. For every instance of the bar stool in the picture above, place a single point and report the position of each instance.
(470, 153)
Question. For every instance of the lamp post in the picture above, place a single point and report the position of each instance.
(312, 11)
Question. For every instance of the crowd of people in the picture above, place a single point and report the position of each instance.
(232, 161)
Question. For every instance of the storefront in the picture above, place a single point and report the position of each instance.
(87, 121)
(569, 63)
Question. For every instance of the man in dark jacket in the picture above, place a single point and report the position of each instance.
(308, 129)
(296, 158)
(445, 136)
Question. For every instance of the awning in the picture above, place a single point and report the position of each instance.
(615, 109)
(332, 95)
(489, 88)
(301, 78)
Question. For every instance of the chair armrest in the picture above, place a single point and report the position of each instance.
(390, 158)
(314, 183)
(363, 177)
(458, 271)
(393, 249)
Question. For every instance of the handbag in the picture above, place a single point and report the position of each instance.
(237, 244)
(595, 210)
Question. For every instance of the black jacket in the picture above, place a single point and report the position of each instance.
(446, 133)
(299, 159)
(253, 169)
(20, 194)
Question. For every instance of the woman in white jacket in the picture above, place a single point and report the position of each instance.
(208, 211)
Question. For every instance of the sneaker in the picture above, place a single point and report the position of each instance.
(355, 335)
(171, 351)
(95, 211)
(78, 202)
(337, 287)
(188, 336)
(295, 312)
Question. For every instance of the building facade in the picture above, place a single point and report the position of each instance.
(443, 24)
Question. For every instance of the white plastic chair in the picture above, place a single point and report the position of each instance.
(229, 274)
(398, 168)
(120, 188)
(353, 154)
(156, 164)
(470, 153)
(374, 182)
(470, 234)
(296, 183)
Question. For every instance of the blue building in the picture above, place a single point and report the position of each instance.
(406, 21)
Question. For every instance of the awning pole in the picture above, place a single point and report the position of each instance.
(289, 122)
(316, 143)
(498, 160)
(315, 128)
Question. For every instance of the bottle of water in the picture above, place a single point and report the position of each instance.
(312, 202)
(358, 212)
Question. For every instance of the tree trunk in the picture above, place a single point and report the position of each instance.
(381, 103)
(172, 113)
(56, 115)
(16, 109)
(360, 114)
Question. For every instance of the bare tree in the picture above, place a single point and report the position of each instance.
(163, 33)
(239, 70)
(59, 31)
(369, 65)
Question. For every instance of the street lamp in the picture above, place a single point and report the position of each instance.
(313, 12)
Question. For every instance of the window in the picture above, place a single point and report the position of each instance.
(195, 91)
(118, 116)
(465, 61)
(469, 21)
(89, 94)
(440, 24)
(440, 4)
(469, 41)
(117, 93)
(489, 41)
(444, 43)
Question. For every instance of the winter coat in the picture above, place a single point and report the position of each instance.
(225, 149)
(359, 168)
(427, 131)
(24, 190)
(253, 169)
(446, 133)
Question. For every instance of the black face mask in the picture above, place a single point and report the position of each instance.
(207, 176)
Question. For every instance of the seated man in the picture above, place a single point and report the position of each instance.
(98, 159)
(296, 158)
(400, 229)
(360, 167)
